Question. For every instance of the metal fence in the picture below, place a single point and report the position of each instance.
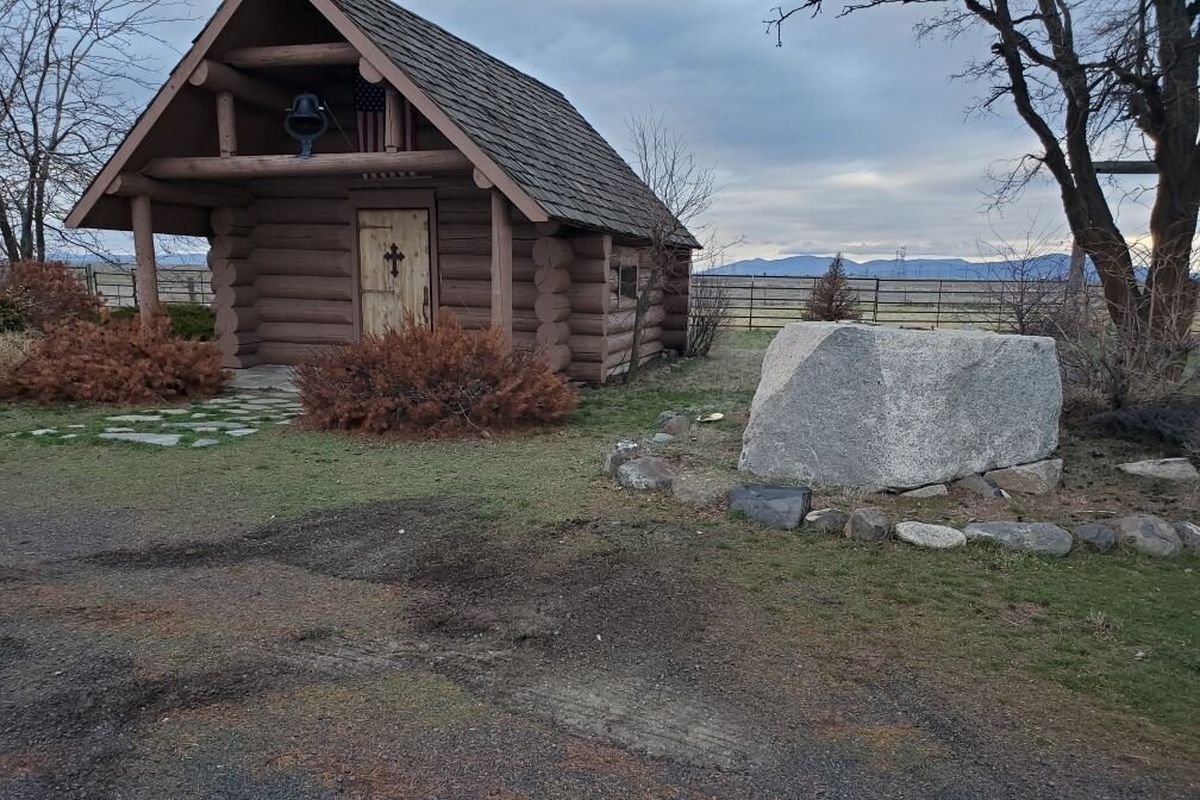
(118, 288)
(772, 302)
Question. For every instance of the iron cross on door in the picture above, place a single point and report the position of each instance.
(395, 256)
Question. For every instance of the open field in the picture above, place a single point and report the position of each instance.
(306, 615)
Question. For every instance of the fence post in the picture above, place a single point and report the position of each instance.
(750, 316)
(191, 284)
(875, 307)
(937, 320)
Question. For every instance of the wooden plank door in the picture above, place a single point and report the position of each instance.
(394, 268)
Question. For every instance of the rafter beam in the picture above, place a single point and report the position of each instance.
(204, 195)
(218, 77)
(275, 166)
(293, 55)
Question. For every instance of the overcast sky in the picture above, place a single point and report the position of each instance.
(851, 137)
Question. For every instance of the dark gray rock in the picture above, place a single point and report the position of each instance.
(1097, 535)
(1038, 478)
(647, 473)
(622, 452)
(858, 405)
(1189, 536)
(1148, 534)
(774, 506)
(977, 484)
(869, 525)
(1035, 537)
(827, 520)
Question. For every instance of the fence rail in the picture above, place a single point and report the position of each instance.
(772, 302)
(119, 289)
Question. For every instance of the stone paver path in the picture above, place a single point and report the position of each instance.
(209, 423)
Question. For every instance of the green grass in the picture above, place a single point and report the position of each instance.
(994, 626)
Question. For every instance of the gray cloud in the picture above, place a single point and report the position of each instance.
(852, 136)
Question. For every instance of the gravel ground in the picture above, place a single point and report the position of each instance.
(407, 650)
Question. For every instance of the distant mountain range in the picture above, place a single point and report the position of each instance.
(805, 266)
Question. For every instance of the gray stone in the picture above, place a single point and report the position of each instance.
(827, 520)
(136, 418)
(205, 443)
(1189, 536)
(1166, 469)
(775, 506)
(161, 439)
(172, 412)
(1099, 536)
(266, 377)
(77, 427)
(926, 492)
(240, 432)
(977, 484)
(647, 473)
(869, 525)
(661, 439)
(1035, 537)
(69, 436)
(624, 450)
(856, 405)
(207, 425)
(936, 537)
(1038, 478)
(676, 425)
(43, 432)
(701, 489)
(119, 430)
(1148, 534)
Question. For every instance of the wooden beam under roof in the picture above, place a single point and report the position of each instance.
(293, 55)
(218, 77)
(206, 195)
(283, 166)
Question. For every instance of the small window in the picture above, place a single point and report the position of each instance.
(627, 281)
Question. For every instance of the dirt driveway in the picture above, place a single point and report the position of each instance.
(409, 650)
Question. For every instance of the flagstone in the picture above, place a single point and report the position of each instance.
(120, 430)
(204, 442)
(136, 418)
(242, 432)
(161, 439)
(43, 432)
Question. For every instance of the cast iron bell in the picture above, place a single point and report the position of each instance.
(306, 122)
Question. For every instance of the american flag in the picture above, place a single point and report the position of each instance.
(370, 106)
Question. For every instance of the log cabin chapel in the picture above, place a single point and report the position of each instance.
(442, 181)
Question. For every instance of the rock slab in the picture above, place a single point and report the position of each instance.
(775, 506)
(1189, 536)
(869, 525)
(1166, 469)
(937, 537)
(622, 452)
(647, 474)
(1035, 537)
(827, 520)
(926, 492)
(700, 489)
(852, 405)
(1099, 536)
(1039, 478)
(1148, 534)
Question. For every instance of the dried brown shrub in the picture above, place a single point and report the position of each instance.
(118, 361)
(48, 294)
(15, 349)
(418, 380)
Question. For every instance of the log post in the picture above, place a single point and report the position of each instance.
(393, 124)
(553, 257)
(226, 129)
(502, 262)
(143, 248)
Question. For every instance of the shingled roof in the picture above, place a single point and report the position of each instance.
(529, 129)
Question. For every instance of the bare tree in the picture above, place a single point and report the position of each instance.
(1027, 282)
(1096, 76)
(684, 189)
(67, 70)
